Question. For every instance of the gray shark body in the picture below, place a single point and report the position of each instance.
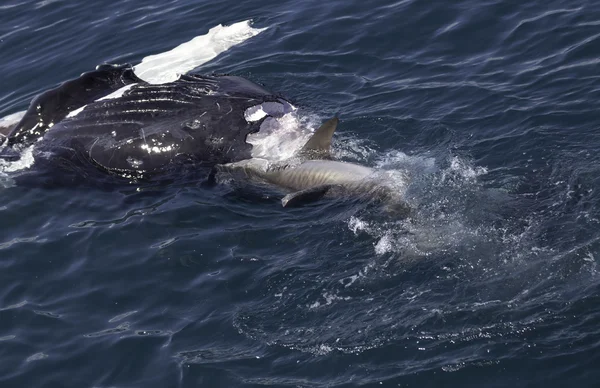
(312, 175)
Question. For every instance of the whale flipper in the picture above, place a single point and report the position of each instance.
(4, 131)
(54, 105)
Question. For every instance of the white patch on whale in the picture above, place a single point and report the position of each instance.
(281, 135)
(76, 112)
(117, 93)
(279, 138)
(270, 108)
(11, 119)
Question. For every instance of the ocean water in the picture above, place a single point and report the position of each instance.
(490, 107)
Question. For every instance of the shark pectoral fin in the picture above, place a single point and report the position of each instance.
(305, 196)
(319, 145)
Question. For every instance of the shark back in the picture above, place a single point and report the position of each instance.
(313, 173)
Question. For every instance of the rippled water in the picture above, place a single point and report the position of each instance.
(490, 107)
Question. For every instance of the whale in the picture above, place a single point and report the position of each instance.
(117, 122)
(312, 174)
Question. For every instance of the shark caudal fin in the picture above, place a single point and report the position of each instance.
(319, 145)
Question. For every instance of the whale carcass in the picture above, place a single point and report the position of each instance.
(120, 123)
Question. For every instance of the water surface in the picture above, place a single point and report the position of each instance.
(491, 107)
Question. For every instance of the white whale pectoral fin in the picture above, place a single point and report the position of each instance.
(305, 196)
(5, 130)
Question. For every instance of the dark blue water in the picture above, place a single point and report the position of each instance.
(490, 105)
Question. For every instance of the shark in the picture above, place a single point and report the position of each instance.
(312, 174)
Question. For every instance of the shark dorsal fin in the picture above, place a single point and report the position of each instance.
(319, 145)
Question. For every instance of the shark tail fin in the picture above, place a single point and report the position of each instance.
(319, 145)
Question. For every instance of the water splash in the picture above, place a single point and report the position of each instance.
(443, 195)
(27, 159)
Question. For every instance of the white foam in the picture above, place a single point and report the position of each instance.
(385, 244)
(26, 159)
(398, 159)
(384, 234)
(462, 168)
(168, 66)
(441, 226)
(6, 167)
(329, 299)
(351, 148)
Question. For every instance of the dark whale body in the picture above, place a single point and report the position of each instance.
(196, 119)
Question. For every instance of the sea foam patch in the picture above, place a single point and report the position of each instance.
(27, 159)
